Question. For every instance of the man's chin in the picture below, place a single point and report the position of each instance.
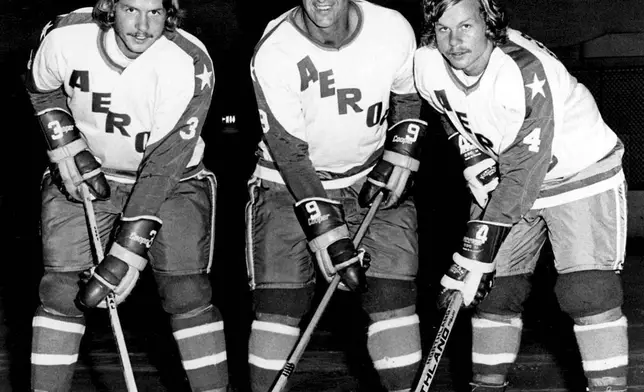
(136, 49)
(458, 64)
(323, 23)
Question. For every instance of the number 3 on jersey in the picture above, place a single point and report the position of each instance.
(263, 119)
(533, 140)
(193, 122)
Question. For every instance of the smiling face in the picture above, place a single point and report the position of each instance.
(326, 18)
(461, 37)
(138, 24)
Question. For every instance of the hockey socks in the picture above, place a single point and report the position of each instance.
(272, 339)
(54, 350)
(202, 346)
(604, 354)
(394, 347)
(495, 345)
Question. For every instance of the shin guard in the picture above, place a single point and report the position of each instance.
(393, 341)
(54, 350)
(495, 345)
(272, 339)
(202, 346)
(275, 332)
(604, 353)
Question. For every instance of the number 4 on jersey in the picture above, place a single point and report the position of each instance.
(533, 140)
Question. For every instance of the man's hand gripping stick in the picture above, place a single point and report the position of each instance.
(110, 301)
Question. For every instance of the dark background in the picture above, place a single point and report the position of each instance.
(230, 29)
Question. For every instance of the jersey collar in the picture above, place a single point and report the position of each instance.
(465, 88)
(110, 51)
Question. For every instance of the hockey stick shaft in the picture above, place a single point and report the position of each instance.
(295, 356)
(115, 321)
(438, 348)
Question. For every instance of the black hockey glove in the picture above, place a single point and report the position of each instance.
(472, 272)
(392, 174)
(328, 236)
(119, 271)
(71, 161)
(481, 172)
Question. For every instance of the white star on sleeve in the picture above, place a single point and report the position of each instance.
(252, 72)
(537, 86)
(45, 29)
(205, 77)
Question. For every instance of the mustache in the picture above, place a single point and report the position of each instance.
(139, 34)
(458, 51)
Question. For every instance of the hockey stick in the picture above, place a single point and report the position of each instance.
(295, 356)
(110, 301)
(438, 348)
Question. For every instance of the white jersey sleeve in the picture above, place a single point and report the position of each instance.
(282, 117)
(425, 61)
(184, 94)
(405, 101)
(47, 64)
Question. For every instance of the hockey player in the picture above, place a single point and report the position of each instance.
(339, 111)
(121, 94)
(522, 120)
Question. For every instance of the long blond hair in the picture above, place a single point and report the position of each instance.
(493, 14)
(103, 13)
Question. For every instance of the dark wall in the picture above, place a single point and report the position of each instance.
(568, 22)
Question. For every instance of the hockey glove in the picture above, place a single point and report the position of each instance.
(328, 237)
(71, 161)
(480, 170)
(472, 272)
(119, 271)
(399, 160)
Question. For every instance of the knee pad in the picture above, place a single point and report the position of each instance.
(508, 295)
(587, 293)
(386, 295)
(58, 292)
(289, 303)
(181, 294)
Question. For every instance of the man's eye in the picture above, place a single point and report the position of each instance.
(467, 26)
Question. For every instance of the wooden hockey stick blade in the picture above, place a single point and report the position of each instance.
(115, 321)
(295, 356)
(438, 348)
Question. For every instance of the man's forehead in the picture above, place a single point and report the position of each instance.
(143, 4)
(466, 9)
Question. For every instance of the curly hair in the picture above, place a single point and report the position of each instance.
(103, 14)
(493, 14)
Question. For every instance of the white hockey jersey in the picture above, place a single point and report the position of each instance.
(324, 111)
(528, 113)
(142, 117)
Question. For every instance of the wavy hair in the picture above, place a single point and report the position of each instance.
(103, 14)
(493, 14)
